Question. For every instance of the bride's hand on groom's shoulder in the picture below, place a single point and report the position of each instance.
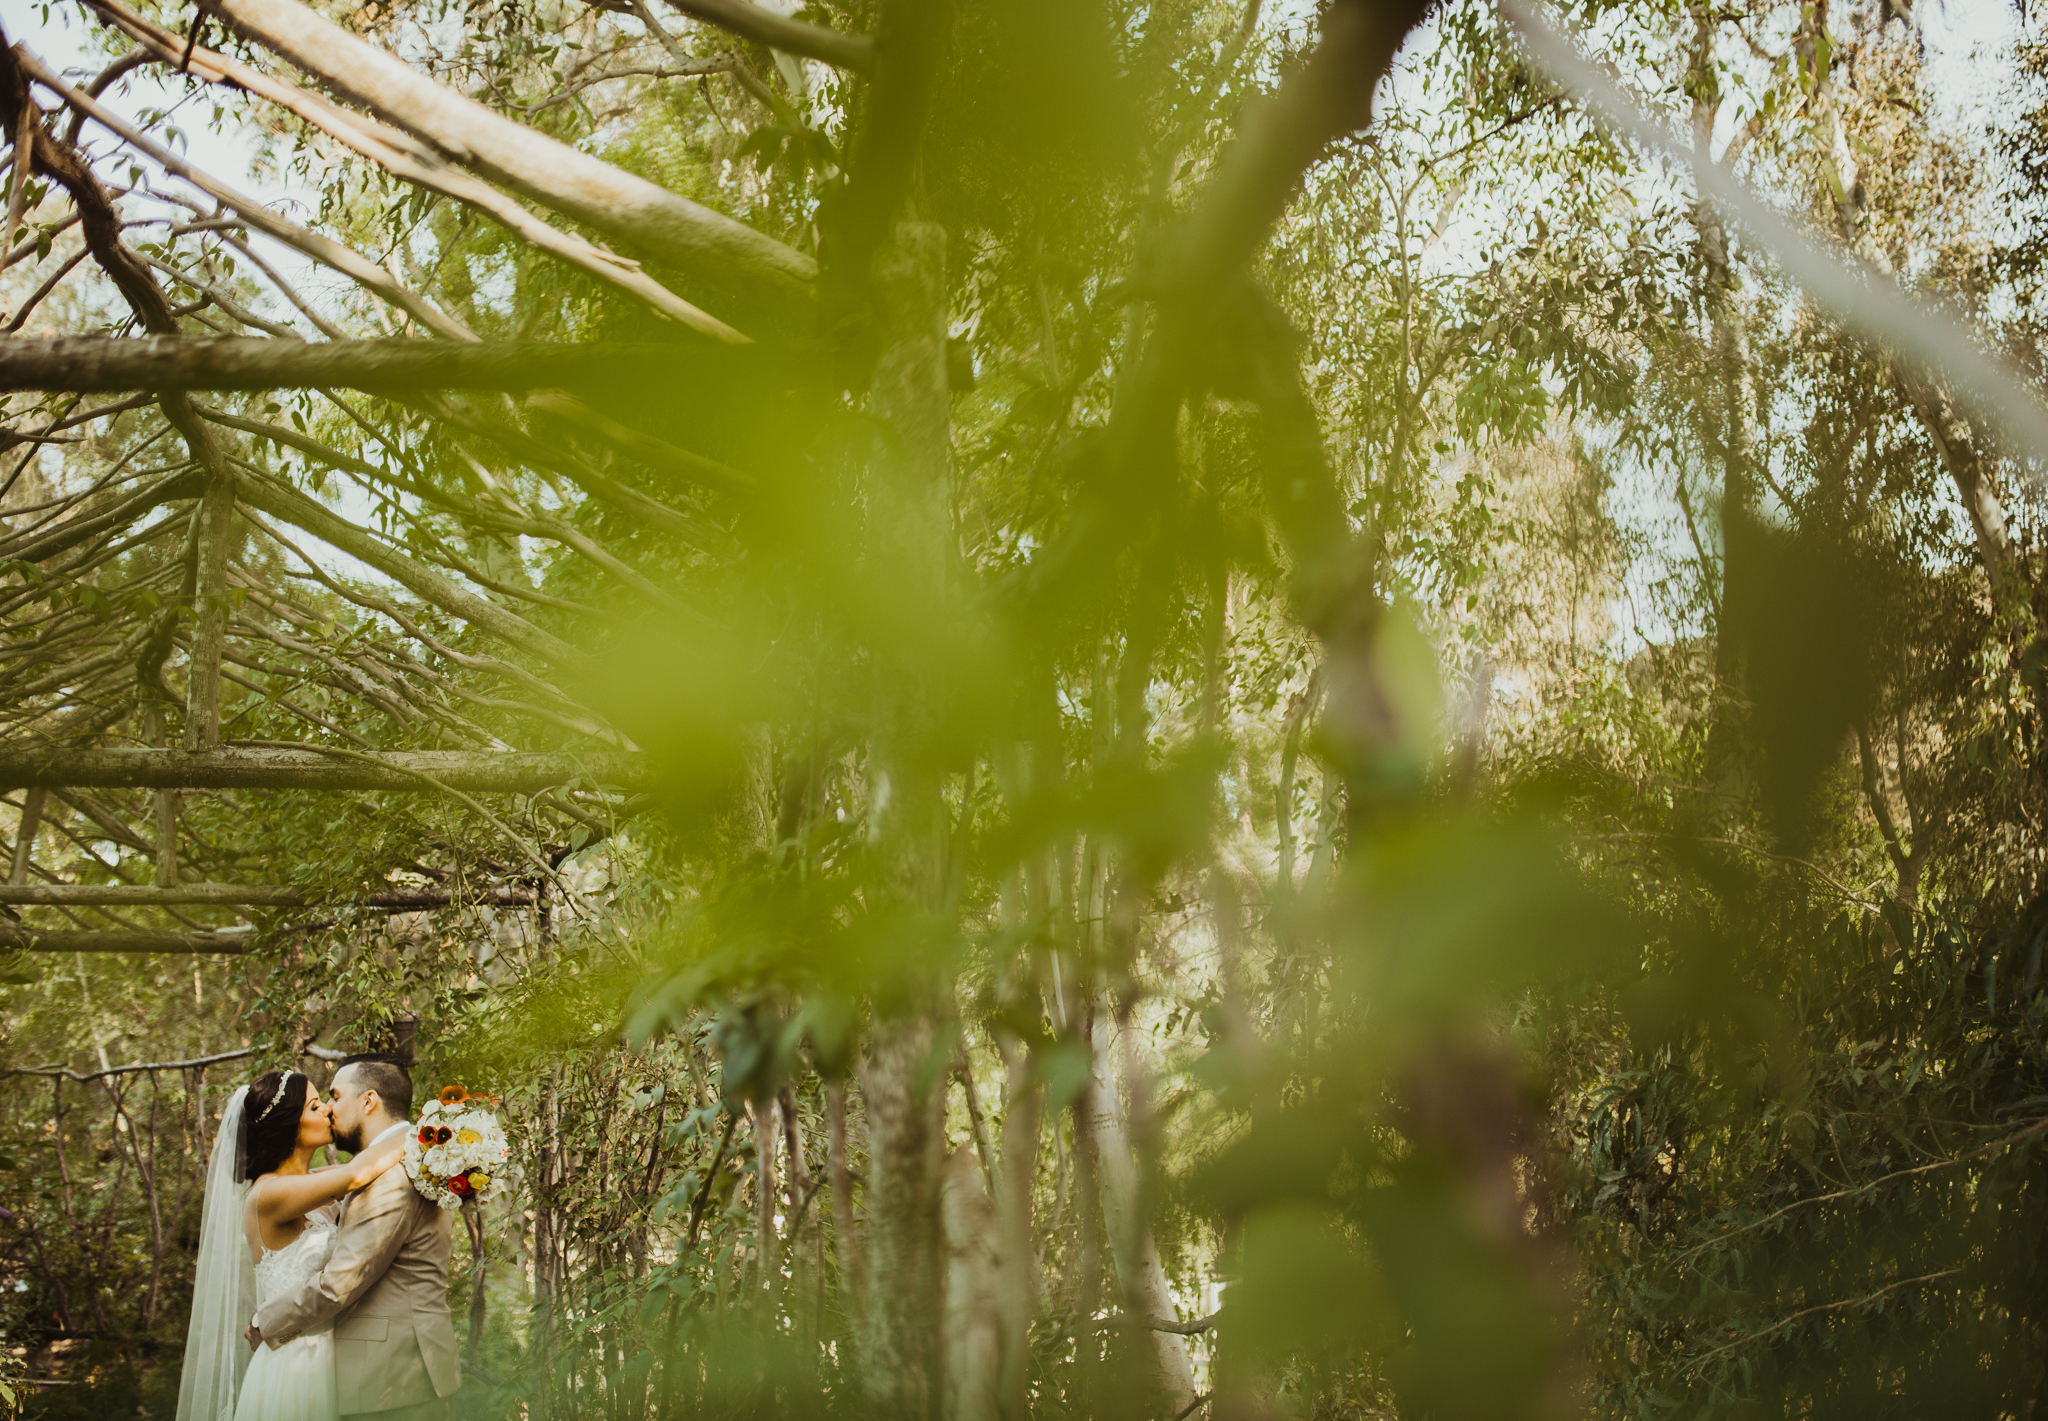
(367, 1167)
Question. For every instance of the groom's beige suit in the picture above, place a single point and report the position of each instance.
(386, 1288)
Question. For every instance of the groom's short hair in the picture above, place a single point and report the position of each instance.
(386, 1075)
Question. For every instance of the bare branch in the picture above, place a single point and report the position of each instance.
(231, 942)
(315, 767)
(260, 895)
(98, 364)
(792, 36)
(192, 1064)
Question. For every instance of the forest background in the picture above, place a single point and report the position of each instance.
(1259, 756)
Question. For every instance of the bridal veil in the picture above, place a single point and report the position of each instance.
(224, 1288)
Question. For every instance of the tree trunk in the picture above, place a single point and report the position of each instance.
(905, 1101)
(906, 1139)
(974, 1328)
(1141, 1278)
(767, 1250)
(1023, 1110)
(846, 1236)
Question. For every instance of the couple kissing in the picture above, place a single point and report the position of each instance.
(337, 1278)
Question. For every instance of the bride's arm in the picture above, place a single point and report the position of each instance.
(368, 1165)
(379, 1221)
(288, 1196)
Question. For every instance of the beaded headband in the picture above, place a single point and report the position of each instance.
(265, 1112)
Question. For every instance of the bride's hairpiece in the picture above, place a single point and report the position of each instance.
(263, 1114)
(269, 1151)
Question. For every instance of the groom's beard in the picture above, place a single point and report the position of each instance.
(350, 1140)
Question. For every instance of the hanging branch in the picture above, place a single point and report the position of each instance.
(410, 665)
(538, 452)
(32, 548)
(1878, 310)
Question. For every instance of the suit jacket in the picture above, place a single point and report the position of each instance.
(386, 1288)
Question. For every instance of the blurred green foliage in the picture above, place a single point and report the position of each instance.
(1432, 788)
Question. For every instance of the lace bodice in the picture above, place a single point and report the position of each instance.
(280, 1270)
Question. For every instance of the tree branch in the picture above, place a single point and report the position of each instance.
(230, 943)
(399, 154)
(772, 31)
(622, 205)
(91, 364)
(238, 767)
(327, 252)
(259, 895)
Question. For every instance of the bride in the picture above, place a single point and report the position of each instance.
(267, 1223)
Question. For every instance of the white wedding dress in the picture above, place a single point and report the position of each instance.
(294, 1382)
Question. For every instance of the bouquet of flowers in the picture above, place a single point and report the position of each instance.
(457, 1150)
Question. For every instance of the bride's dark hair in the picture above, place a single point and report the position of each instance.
(270, 1122)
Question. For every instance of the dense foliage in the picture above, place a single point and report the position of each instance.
(1405, 785)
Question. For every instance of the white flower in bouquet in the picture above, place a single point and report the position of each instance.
(457, 1151)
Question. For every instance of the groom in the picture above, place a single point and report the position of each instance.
(386, 1280)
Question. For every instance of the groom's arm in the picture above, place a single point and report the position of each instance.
(369, 1238)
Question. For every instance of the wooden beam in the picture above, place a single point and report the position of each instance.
(165, 804)
(258, 895)
(88, 364)
(211, 539)
(232, 942)
(507, 772)
(25, 836)
(166, 838)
